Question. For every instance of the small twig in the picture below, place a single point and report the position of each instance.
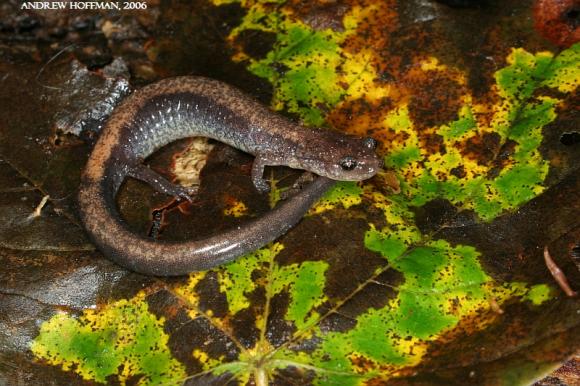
(558, 274)
(38, 210)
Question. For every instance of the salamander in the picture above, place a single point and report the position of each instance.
(189, 106)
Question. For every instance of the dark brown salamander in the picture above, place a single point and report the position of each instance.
(193, 106)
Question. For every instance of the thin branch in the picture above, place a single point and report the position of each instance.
(557, 274)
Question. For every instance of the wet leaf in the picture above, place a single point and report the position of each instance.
(128, 342)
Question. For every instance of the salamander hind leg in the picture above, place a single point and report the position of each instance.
(160, 183)
(300, 183)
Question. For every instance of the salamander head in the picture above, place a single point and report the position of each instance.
(340, 157)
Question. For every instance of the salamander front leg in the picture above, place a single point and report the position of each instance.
(160, 183)
(258, 173)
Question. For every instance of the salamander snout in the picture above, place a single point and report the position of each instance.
(339, 156)
(358, 160)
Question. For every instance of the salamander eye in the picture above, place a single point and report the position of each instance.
(348, 163)
(371, 143)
